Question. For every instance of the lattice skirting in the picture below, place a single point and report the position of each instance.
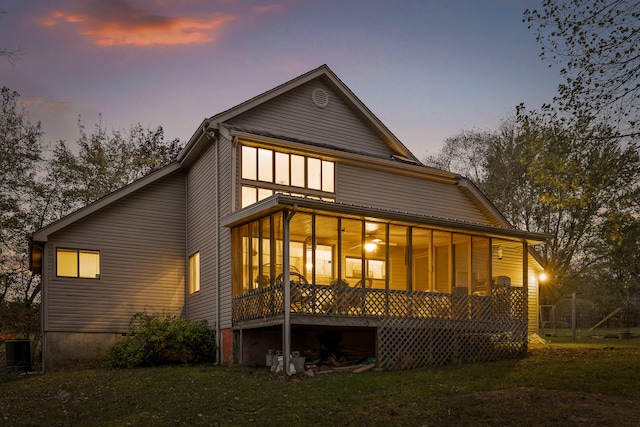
(409, 343)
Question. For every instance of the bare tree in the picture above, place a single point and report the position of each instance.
(597, 44)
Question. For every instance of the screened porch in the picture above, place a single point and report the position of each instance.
(464, 287)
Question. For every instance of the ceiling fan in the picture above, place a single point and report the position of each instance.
(372, 243)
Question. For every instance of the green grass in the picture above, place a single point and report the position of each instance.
(595, 383)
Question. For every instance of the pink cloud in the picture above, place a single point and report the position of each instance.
(120, 22)
(45, 105)
(267, 9)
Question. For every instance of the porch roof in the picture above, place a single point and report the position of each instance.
(282, 202)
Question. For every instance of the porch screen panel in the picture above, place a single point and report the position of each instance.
(326, 249)
(441, 264)
(398, 257)
(421, 250)
(461, 263)
(506, 262)
(479, 265)
(254, 256)
(276, 245)
(351, 263)
(264, 263)
(301, 231)
(244, 267)
(236, 260)
(376, 243)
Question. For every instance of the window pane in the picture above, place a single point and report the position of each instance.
(90, 264)
(265, 165)
(249, 163)
(249, 196)
(297, 170)
(282, 169)
(328, 177)
(314, 174)
(67, 263)
(263, 193)
(194, 273)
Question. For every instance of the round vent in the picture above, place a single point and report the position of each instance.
(320, 97)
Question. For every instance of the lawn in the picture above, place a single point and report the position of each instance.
(588, 383)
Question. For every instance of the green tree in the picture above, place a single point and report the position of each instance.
(597, 44)
(20, 161)
(560, 176)
(101, 162)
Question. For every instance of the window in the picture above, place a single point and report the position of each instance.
(77, 263)
(194, 273)
(265, 172)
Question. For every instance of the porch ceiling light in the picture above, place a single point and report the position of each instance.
(370, 246)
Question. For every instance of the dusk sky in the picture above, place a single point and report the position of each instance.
(427, 69)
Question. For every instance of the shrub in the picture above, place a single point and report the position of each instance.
(157, 339)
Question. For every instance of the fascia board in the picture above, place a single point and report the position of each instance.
(482, 199)
(279, 202)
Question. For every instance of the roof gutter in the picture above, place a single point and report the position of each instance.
(279, 202)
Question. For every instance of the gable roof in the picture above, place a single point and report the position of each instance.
(194, 146)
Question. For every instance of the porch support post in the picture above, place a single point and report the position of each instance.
(525, 272)
(286, 289)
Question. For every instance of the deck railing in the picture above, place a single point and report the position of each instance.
(414, 329)
(504, 303)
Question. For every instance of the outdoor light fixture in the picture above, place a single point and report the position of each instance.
(499, 252)
(543, 276)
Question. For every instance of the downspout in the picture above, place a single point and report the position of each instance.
(217, 238)
(43, 343)
(286, 289)
(525, 286)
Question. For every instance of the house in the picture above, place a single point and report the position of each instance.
(295, 221)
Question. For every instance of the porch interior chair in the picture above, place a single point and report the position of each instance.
(302, 296)
(347, 299)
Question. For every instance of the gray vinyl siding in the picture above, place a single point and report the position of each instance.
(368, 187)
(141, 239)
(295, 115)
(201, 202)
(224, 246)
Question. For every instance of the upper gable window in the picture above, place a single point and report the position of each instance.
(266, 171)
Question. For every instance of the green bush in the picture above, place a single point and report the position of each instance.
(158, 339)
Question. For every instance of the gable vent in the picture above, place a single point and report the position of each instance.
(320, 98)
